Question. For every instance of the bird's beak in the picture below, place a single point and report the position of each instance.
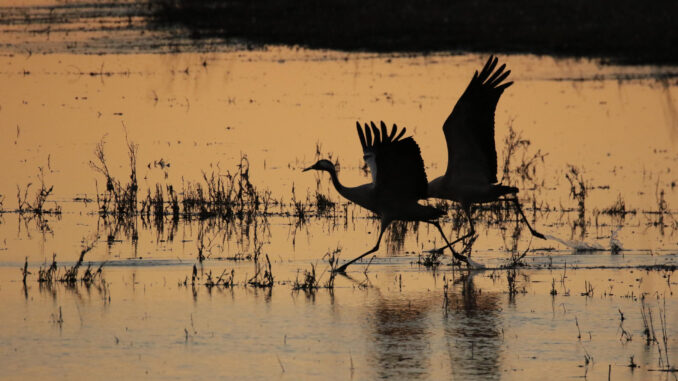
(308, 169)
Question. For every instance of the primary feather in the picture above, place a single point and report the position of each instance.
(395, 164)
(469, 130)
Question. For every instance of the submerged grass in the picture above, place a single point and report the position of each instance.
(518, 148)
(311, 282)
(430, 259)
(37, 206)
(119, 199)
(227, 195)
(263, 275)
(618, 208)
(70, 276)
(225, 280)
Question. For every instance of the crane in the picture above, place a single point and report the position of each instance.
(471, 175)
(398, 182)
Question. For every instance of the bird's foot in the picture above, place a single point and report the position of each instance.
(341, 269)
(538, 235)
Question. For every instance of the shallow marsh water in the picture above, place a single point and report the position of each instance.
(201, 111)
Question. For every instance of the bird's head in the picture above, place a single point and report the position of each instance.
(321, 165)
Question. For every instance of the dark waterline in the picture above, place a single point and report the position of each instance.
(626, 31)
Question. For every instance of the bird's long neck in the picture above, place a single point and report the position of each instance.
(335, 181)
(362, 195)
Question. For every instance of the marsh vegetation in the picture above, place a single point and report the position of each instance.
(186, 242)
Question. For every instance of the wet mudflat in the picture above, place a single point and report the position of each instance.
(195, 283)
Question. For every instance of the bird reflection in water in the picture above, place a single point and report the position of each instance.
(401, 336)
(472, 328)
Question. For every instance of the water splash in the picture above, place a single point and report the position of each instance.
(578, 245)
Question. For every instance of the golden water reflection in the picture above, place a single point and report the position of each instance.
(202, 111)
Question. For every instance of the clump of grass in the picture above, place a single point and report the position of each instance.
(225, 280)
(263, 275)
(154, 210)
(515, 259)
(323, 203)
(618, 208)
(49, 275)
(309, 281)
(90, 276)
(578, 193)
(588, 289)
(154, 205)
(173, 200)
(71, 274)
(39, 199)
(578, 190)
(119, 199)
(662, 210)
(228, 195)
(515, 144)
(333, 260)
(204, 245)
(431, 259)
(24, 272)
(300, 208)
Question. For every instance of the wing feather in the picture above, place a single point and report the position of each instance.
(396, 165)
(469, 130)
(363, 142)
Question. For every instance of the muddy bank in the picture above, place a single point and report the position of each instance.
(626, 31)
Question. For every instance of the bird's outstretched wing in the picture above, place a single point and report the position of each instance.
(469, 130)
(396, 164)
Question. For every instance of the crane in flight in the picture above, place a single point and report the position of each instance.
(398, 182)
(471, 175)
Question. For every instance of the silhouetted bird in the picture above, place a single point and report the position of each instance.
(471, 176)
(398, 181)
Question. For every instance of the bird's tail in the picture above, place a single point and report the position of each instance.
(428, 213)
(500, 190)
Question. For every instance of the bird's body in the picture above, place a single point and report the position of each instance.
(471, 175)
(398, 181)
(467, 192)
(390, 207)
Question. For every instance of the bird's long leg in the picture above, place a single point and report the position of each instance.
(343, 267)
(520, 210)
(467, 212)
(456, 255)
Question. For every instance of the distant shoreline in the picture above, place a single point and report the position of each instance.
(625, 31)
